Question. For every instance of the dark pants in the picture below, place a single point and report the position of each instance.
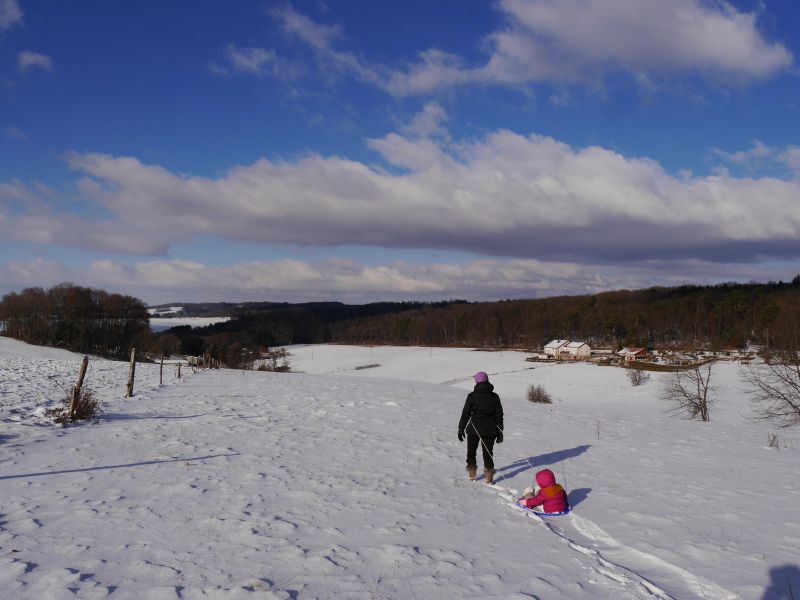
(473, 441)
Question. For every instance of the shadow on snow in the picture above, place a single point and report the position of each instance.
(121, 466)
(533, 462)
(784, 583)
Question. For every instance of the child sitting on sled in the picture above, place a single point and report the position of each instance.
(550, 495)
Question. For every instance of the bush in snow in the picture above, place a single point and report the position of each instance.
(637, 376)
(536, 393)
(276, 360)
(87, 407)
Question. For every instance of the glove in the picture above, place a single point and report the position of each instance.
(499, 437)
(460, 435)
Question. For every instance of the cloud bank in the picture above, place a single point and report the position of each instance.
(539, 216)
(350, 281)
(505, 195)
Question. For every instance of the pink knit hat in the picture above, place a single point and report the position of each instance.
(480, 377)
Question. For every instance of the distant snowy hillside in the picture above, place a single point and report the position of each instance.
(346, 481)
(162, 324)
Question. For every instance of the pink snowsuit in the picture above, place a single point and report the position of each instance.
(551, 496)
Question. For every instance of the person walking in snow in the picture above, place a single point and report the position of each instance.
(482, 421)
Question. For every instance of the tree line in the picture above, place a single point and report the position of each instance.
(721, 316)
(76, 318)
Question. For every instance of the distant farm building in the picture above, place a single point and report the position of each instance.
(566, 350)
(631, 354)
(579, 350)
(555, 348)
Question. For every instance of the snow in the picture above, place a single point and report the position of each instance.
(340, 481)
(163, 323)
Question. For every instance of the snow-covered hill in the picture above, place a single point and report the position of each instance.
(340, 481)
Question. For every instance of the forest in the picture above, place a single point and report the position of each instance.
(76, 318)
(722, 316)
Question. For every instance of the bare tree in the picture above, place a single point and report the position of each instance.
(690, 390)
(776, 388)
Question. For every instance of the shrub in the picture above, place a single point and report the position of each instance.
(87, 407)
(277, 361)
(637, 376)
(536, 393)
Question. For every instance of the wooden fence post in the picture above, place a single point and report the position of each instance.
(179, 370)
(161, 372)
(131, 373)
(76, 389)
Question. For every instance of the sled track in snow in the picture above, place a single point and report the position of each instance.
(623, 564)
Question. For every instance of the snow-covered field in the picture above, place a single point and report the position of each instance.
(163, 323)
(339, 481)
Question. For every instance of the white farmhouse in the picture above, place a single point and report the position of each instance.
(579, 350)
(555, 348)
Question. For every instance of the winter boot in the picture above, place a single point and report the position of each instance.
(489, 475)
(472, 473)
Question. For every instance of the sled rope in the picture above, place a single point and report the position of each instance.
(480, 438)
(527, 460)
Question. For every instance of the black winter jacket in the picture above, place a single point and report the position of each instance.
(484, 408)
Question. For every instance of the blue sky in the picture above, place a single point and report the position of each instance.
(360, 151)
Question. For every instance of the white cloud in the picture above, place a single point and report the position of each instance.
(578, 42)
(15, 133)
(428, 122)
(761, 156)
(14, 190)
(34, 60)
(250, 60)
(10, 14)
(34, 273)
(757, 153)
(255, 61)
(562, 99)
(322, 39)
(315, 34)
(791, 158)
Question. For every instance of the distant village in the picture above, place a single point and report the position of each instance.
(567, 350)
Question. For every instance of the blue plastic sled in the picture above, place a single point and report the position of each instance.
(546, 514)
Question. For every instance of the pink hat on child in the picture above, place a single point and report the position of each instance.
(480, 377)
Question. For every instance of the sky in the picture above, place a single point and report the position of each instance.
(363, 151)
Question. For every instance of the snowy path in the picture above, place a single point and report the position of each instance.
(628, 566)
